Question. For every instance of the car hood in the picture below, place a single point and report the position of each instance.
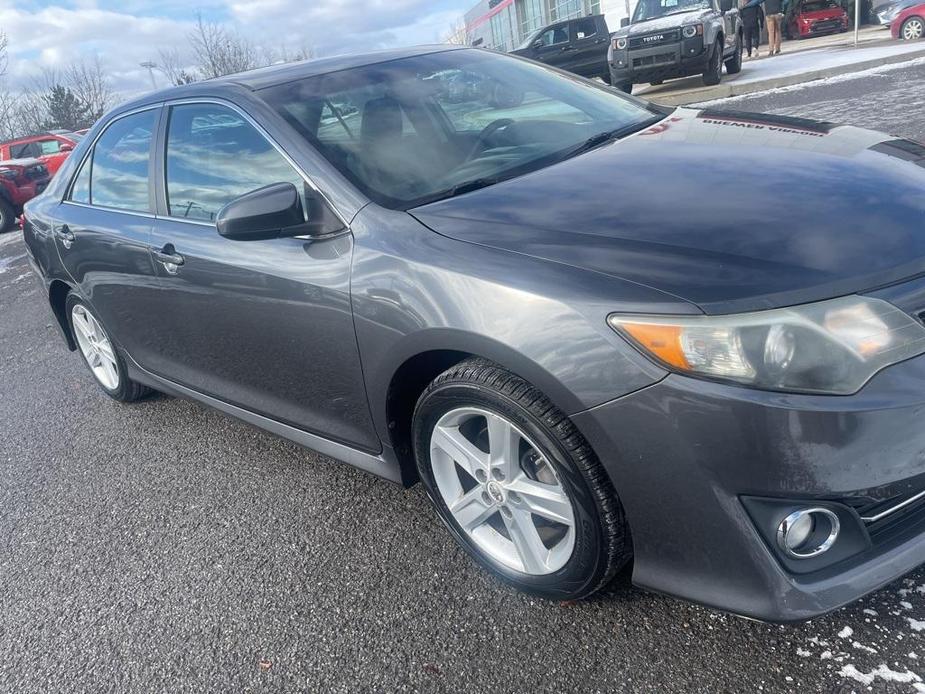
(663, 23)
(729, 211)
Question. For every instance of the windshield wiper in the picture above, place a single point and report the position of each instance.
(459, 189)
(603, 138)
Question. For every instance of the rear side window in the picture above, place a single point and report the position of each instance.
(583, 29)
(215, 155)
(118, 165)
(80, 190)
(50, 146)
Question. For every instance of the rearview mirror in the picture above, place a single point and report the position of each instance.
(625, 22)
(274, 211)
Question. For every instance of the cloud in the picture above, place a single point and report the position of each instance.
(128, 32)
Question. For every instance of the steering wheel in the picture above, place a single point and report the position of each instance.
(487, 132)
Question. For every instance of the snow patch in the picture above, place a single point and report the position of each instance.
(916, 624)
(907, 605)
(803, 653)
(860, 646)
(872, 613)
(846, 633)
(882, 672)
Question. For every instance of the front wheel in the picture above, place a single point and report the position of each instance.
(517, 484)
(912, 29)
(734, 64)
(7, 216)
(714, 72)
(625, 87)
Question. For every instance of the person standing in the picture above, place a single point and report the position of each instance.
(774, 16)
(752, 20)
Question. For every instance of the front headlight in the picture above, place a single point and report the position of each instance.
(691, 30)
(618, 44)
(832, 347)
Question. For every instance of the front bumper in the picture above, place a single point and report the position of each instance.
(685, 454)
(660, 62)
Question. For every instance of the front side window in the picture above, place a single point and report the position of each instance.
(25, 150)
(50, 146)
(554, 36)
(413, 130)
(215, 155)
(119, 167)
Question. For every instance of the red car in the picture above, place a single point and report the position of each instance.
(909, 24)
(815, 17)
(20, 181)
(50, 148)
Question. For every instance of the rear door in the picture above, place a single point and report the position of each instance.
(103, 227)
(589, 47)
(263, 325)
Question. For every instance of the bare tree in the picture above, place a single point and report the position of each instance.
(457, 35)
(171, 64)
(4, 44)
(221, 51)
(90, 85)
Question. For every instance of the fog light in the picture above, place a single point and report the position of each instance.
(808, 532)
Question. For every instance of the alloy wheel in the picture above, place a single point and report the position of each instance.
(96, 347)
(913, 29)
(502, 491)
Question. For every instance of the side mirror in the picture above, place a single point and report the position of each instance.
(274, 211)
(625, 22)
(65, 147)
(538, 43)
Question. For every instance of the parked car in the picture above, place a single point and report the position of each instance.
(20, 181)
(551, 314)
(677, 38)
(886, 12)
(577, 45)
(51, 148)
(909, 24)
(815, 18)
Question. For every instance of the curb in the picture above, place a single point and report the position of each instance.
(723, 91)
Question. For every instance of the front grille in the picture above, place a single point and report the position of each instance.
(827, 25)
(888, 518)
(658, 39)
(658, 59)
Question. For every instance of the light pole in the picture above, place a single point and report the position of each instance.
(857, 21)
(148, 64)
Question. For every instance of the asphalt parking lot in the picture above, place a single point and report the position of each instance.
(164, 547)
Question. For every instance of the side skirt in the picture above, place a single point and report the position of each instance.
(384, 465)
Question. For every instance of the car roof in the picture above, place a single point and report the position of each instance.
(274, 75)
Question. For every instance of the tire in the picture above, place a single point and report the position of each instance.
(123, 389)
(606, 77)
(7, 216)
(657, 83)
(734, 64)
(912, 29)
(714, 72)
(551, 455)
(625, 87)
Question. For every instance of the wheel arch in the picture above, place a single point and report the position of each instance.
(435, 354)
(58, 291)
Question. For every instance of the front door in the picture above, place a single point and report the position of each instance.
(103, 228)
(553, 47)
(264, 325)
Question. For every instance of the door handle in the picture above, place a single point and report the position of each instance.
(66, 235)
(169, 257)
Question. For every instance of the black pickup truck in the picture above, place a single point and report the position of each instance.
(577, 45)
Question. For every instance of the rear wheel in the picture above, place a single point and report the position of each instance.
(516, 483)
(912, 29)
(7, 216)
(714, 72)
(100, 354)
(734, 64)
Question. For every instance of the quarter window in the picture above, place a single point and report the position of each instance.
(215, 155)
(80, 191)
(119, 166)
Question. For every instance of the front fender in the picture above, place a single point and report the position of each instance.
(415, 291)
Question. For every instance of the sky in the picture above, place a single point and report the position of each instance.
(124, 34)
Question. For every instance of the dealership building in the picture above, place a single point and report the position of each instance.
(504, 24)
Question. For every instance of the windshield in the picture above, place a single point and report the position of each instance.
(651, 9)
(416, 129)
(818, 5)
